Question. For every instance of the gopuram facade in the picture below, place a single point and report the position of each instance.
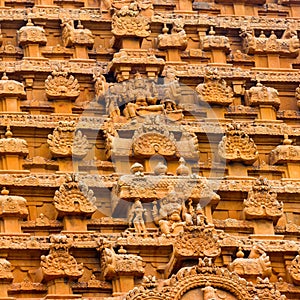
(150, 150)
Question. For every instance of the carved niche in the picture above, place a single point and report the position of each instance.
(60, 86)
(294, 270)
(214, 90)
(78, 36)
(287, 45)
(257, 264)
(177, 39)
(74, 197)
(262, 95)
(262, 202)
(285, 153)
(59, 263)
(237, 146)
(31, 34)
(66, 141)
(114, 265)
(129, 22)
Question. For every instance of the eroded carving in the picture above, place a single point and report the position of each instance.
(294, 270)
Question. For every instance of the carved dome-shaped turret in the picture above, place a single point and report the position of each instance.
(31, 34)
(11, 88)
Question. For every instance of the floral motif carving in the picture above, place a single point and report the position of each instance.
(31, 34)
(237, 146)
(215, 90)
(129, 22)
(257, 264)
(114, 265)
(294, 270)
(177, 39)
(66, 141)
(60, 86)
(74, 197)
(59, 263)
(262, 95)
(288, 44)
(262, 202)
(78, 36)
(285, 153)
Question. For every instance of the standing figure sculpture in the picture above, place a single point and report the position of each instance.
(136, 217)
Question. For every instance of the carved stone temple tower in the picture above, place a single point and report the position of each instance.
(150, 149)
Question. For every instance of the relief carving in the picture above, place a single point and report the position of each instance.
(285, 153)
(294, 270)
(137, 215)
(60, 86)
(59, 263)
(212, 41)
(74, 197)
(5, 270)
(287, 45)
(214, 90)
(262, 202)
(237, 146)
(114, 265)
(297, 95)
(67, 142)
(31, 34)
(129, 22)
(9, 88)
(177, 39)
(262, 95)
(10, 145)
(78, 36)
(257, 264)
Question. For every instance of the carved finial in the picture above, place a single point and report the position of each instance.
(286, 140)
(29, 22)
(240, 253)
(8, 133)
(182, 170)
(4, 191)
(4, 77)
(137, 169)
(211, 31)
(79, 26)
(165, 29)
(122, 250)
(160, 169)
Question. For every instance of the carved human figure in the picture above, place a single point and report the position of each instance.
(136, 217)
(171, 83)
(209, 293)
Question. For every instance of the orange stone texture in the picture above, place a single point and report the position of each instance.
(150, 149)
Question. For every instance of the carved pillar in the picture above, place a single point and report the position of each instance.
(289, 155)
(12, 211)
(218, 45)
(31, 37)
(75, 203)
(216, 93)
(173, 42)
(12, 152)
(11, 93)
(239, 149)
(67, 145)
(122, 269)
(266, 98)
(263, 207)
(81, 39)
(59, 268)
(6, 278)
(62, 90)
